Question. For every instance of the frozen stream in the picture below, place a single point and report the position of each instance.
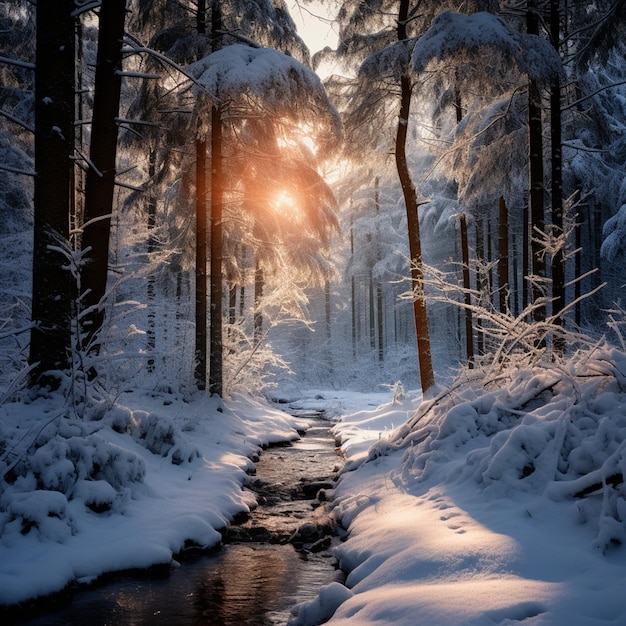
(277, 558)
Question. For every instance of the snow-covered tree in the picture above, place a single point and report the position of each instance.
(54, 150)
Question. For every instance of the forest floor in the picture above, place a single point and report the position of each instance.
(448, 535)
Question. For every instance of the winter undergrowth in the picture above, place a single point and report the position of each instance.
(555, 429)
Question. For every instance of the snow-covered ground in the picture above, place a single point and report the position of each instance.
(127, 490)
(498, 505)
(497, 502)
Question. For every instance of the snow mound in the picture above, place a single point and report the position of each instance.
(554, 430)
(322, 607)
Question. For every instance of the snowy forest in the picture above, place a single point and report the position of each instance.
(199, 207)
(294, 211)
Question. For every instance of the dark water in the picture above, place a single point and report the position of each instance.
(276, 559)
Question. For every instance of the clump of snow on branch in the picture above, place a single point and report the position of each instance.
(452, 33)
(613, 232)
(276, 79)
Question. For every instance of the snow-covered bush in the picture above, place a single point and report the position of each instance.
(88, 468)
(553, 429)
(41, 512)
(71, 461)
(157, 433)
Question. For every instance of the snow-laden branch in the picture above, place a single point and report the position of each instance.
(17, 170)
(136, 47)
(591, 95)
(88, 5)
(125, 74)
(452, 33)
(18, 121)
(17, 63)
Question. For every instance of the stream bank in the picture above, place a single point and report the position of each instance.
(276, 558)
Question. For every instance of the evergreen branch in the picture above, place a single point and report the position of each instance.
(18, 121)
(17, 63)
(591, 95)
(17, 170)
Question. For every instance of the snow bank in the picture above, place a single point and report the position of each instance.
(495, 502)
(130, 489)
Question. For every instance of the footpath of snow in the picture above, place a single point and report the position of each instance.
(489, 506)
(127, 490)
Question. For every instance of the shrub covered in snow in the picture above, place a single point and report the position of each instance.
(157, 433)
(556, 429)
(70, 460)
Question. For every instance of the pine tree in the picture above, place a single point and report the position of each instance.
(54, 149)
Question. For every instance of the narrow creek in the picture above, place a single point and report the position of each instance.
(276, 558)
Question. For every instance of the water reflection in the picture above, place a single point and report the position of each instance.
(244, 584)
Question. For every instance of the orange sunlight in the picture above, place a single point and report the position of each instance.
(287, 205)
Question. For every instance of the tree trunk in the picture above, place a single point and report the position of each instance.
(329, 344)
(372, 312)
(100, 181)
(217, 288)
(352, 293)
(480, 285)
(469, 326)
(380, 321)
(525, 256)
(503, 257)
(258, 295)
(535, 169)
(52, 288)
(427, 377)
(151, 248)
(379, 287)
(232, 304)
(558, 258)
(201, 267)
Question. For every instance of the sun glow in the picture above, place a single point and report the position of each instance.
(287, 205)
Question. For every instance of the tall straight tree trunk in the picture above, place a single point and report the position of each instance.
(515, 274)
(100, 181)
(232, 304)
(379, 287)
(558, 258)
(52, 290)
(525, 254)
(352, 291)
(151, 248)
(200, 349)
(372, 312)
(480, 284)
(427, 376)
(217, 287)
(535, 169)
(469, 326)
(327, 308)
(201, 267)
(380, 321)
(503, 256)
(259, 282)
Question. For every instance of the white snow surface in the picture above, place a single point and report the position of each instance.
(471, 512)
(125, 491)
(494, 502)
